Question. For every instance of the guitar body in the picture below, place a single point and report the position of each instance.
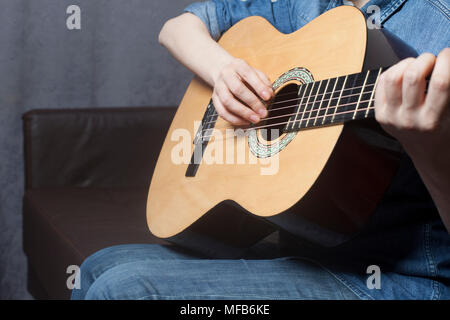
(328, 180)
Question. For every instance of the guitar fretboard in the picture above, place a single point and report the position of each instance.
(335, 100)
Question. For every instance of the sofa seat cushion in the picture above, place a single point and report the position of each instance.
(64, 225)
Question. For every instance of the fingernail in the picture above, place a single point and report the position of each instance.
(262, 112)
(266, 95)
(254, 118)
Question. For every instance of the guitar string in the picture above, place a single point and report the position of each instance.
(306, 104)
(285, 122)
(302, 105)
(317, 81)
(313, 96)
(321, 94)
(285, 94)
(307, 83)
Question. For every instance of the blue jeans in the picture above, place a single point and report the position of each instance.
(148, 271)
(405, 239)
(413, 261)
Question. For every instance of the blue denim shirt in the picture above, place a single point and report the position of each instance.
(406, 237)
(423, 24)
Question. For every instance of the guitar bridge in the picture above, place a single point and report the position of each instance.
(202, 138)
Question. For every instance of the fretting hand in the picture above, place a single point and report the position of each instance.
(421, 122)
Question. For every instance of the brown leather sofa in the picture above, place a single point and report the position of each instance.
(87, 174)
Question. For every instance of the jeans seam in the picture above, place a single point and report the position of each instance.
(331, 5)
(440, 7)
(390, 10)
(289, 17)
(435, 295)
(350, 286)
(303, 18)
(347, 284)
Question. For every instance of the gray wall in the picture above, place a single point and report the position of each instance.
(114, 60)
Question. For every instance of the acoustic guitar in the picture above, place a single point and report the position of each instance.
(316, 167)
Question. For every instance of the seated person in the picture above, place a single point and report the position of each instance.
(408, 237)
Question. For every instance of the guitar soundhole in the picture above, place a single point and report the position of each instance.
(282, 107)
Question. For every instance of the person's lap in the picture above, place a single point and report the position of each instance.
(149, 271)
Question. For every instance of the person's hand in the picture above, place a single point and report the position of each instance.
(239, 93)
(421, 122)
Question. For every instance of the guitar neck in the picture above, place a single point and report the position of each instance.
(335, 100)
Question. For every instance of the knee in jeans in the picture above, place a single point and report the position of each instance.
(120, 283)
(98, 262)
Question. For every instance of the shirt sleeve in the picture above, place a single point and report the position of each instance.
(206, 11)
(220, 15)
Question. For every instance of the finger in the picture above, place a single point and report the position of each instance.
(232, 105)
(226, 115)
(393, 82)
(264, 78)
(437, 99)
(414, 80)
(380, 101)
(240, 91)
(251, 77)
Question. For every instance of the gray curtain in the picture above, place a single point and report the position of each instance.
(114, 60)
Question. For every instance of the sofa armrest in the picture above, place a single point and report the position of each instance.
(99, 147)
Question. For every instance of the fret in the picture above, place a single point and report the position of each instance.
(308, 92)
(321, 102)
(360, 95)
(314, 111)
(300, 105)
(349, 98)
(291, 122)
(366, 95)
(335, 100)
(339, 99)
(373, 92)
(335, 81)
(307, 105)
